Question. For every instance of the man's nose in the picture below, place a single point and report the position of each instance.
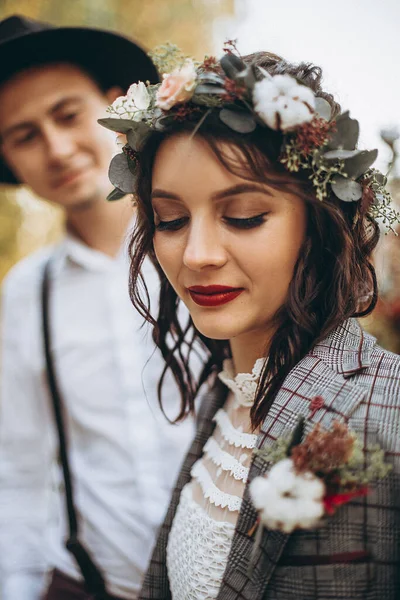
(204, 246)
(59, 144)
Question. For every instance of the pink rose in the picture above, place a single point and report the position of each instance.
(177, 86)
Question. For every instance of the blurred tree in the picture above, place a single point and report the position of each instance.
(26, 223)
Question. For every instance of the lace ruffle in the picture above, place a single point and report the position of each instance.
(226, 461)
(243, 385)
(210, 490)
(232, 435)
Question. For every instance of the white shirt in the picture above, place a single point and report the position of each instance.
(124, 454)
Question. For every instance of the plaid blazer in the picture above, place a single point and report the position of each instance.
(356, 553)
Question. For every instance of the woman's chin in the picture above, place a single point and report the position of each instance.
(215, 331)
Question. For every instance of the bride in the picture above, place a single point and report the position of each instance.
(259, 213)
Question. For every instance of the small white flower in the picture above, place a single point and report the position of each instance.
(287, 500)
(118, 105)
(132, 106)
(282, 103)
(140, 96)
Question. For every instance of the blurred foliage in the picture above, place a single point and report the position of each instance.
(27, 223)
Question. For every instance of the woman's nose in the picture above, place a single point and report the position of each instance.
(204, 246)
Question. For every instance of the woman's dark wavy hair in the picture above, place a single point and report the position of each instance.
(333, 278)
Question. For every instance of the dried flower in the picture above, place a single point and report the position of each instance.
(324, 451)
(234, 90)
(211, 64)
(313, 134)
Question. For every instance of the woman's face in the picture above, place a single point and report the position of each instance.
(228, 246)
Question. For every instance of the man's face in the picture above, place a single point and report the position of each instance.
(50, 137)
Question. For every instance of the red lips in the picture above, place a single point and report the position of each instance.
(213, 295)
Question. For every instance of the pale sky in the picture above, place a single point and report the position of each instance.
(356, 42)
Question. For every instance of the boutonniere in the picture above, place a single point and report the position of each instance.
(312, 476)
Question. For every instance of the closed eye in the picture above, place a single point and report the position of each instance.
(248, 223)
(173, 225)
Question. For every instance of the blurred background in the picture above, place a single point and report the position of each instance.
(356, 42)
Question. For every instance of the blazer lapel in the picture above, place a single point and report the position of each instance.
(318, 388)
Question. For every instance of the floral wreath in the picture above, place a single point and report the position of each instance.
(325, 148)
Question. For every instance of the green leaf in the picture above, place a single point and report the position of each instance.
(117, 125)
(346, 135)
(137, 135)
(247, 77)
(209, 88)
(297, 435)
(240, 122)
(339, 154)
(121, 175)
(116, 194)
(232, 65)
(209, 77)
(356, 165)
(323, 108)
(346, 189)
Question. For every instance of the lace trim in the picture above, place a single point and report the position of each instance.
(226, 461)
(232, 435)
(243, 385)
(210, 490)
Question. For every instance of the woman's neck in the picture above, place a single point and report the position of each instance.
(247, 348)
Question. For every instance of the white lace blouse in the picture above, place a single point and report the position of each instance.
(201, 535)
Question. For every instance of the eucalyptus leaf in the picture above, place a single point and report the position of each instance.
(163, 122)
(117, 125)
(356, 165)
(116, 194)
(210, 77)
(240, 122)
(336, 155)
(346, 189)
(247, 77)
(137, 135)
(120, 174)
(323, 108)
(232, 65)
(346, 134)
(208, 88)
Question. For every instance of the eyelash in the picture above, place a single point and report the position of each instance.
(249, 223)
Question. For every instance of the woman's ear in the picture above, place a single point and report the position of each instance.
(113, 93)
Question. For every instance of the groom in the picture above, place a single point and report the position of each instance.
(123, 456)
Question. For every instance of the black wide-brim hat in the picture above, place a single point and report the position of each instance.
(111, 59)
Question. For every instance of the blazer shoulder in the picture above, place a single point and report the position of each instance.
(382, 375)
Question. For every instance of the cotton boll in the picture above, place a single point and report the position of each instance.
(309, 486)
(260, 490)
(282, 476)
(282, 103)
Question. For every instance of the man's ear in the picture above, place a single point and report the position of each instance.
(113, 93)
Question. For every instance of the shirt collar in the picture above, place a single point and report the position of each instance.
(71, 250)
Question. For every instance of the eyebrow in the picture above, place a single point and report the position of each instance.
(53, 109)
(234, 190)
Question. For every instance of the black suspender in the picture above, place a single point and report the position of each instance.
(93, 578)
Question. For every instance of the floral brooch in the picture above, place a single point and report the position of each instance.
(310, 479)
